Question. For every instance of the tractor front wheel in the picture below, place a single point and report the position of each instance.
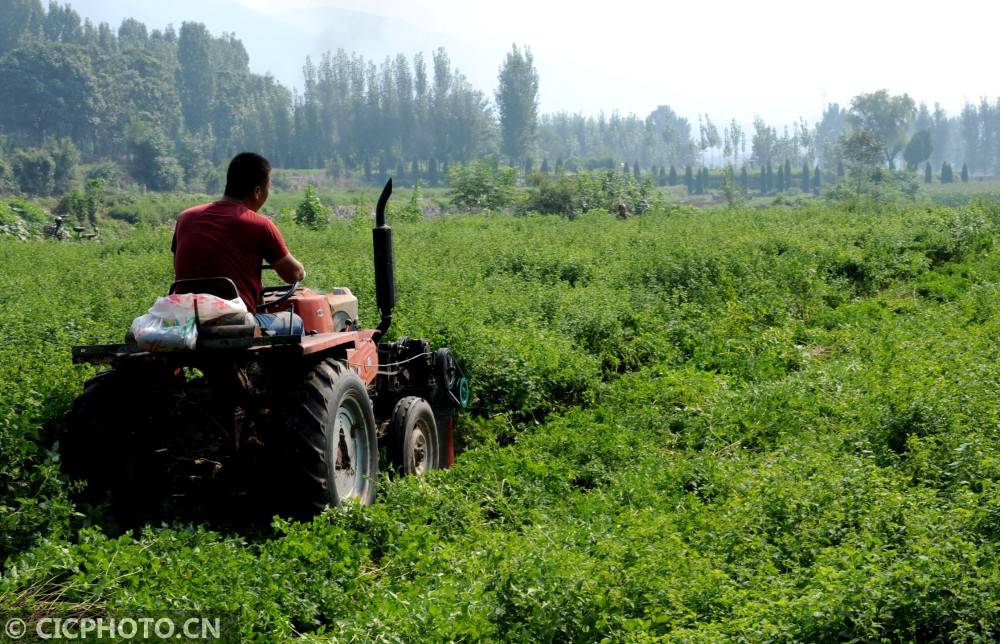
(415, 445)
(333, 441)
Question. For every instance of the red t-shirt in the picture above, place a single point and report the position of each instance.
(226, 239)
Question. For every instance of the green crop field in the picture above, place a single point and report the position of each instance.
(696, 425)
(954, 194)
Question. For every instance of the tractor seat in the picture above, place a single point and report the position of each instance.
(234, 325)
(218, 286)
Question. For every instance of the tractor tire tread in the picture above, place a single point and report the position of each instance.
(398, 426)
(308, 487)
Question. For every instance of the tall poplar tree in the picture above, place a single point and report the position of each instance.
(20, 19)
(517, 103)
(195, 76)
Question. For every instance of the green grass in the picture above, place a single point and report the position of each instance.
(959, 193)
(709, 425)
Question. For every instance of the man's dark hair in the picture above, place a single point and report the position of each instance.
(246, 171)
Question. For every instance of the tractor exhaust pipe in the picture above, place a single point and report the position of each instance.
(385, 278)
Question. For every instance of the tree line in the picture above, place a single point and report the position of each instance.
(170, 105)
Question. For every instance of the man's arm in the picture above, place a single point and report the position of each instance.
(289, 269)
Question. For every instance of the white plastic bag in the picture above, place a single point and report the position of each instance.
(171, 323)
(168, 326)
(153, 333)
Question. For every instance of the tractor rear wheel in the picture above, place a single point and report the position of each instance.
(333, 443)
(104, 443)
(85, 445)
(415, 444)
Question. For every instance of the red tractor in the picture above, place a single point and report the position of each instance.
(292, 423)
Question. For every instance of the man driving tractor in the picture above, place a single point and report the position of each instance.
(228, 238)
(151, 436)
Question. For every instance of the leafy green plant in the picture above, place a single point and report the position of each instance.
(28, 211)
(477, 185)
(564, 193)
(34, 170)
(311, 212)
(411, 212)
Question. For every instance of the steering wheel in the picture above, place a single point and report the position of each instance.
(288, 289)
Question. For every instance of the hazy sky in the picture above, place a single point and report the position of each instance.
(780, 59)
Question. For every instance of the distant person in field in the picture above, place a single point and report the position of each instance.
(622, 211)
(227, 238)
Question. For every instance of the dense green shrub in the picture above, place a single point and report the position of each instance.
(111, 174)
(7, 215)
(34, 170)
(564, 194)
(65, 158)
(151, 209)
(28, 211)
(8, 182)
(411, 211)
(554, 194)
(883, 189)
(151, 160)
(72, 205)
(311, 212)
(477, 185)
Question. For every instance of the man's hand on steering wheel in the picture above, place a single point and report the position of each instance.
(286, 291)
